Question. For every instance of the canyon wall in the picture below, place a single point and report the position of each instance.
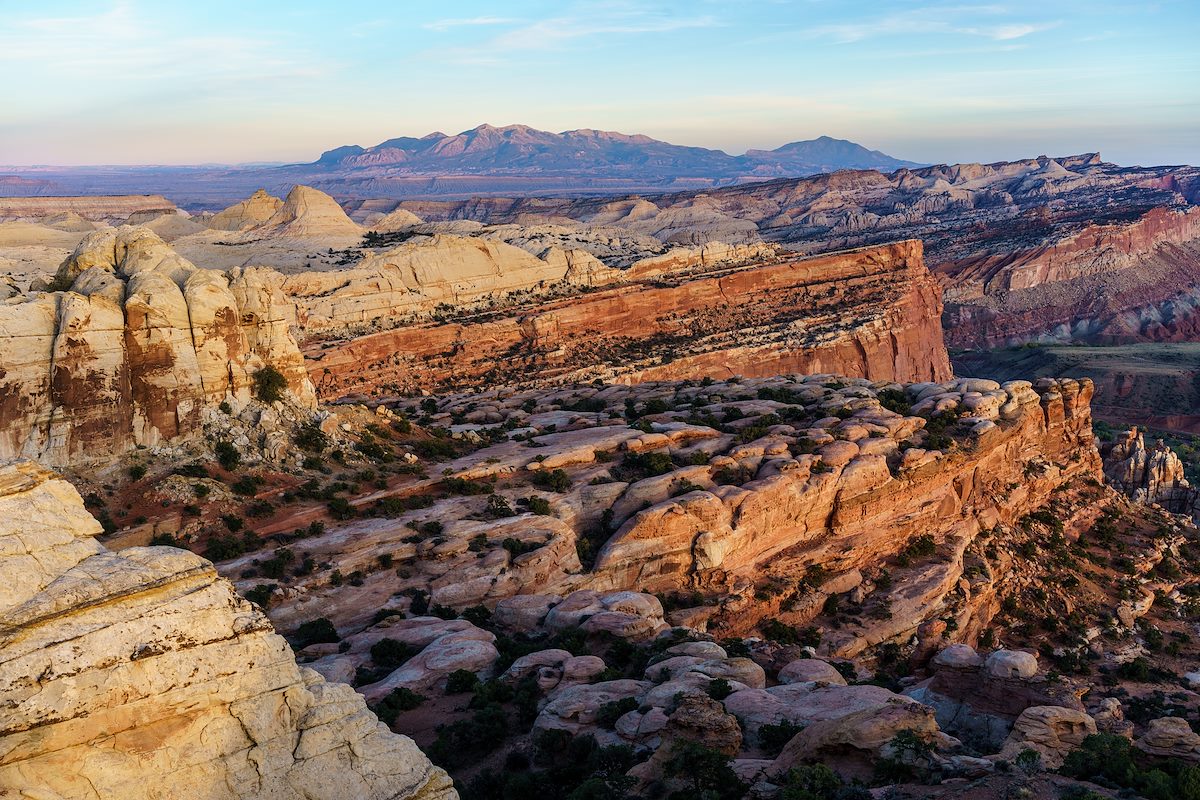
(853, 503)
(98, 207)
(130, 355)
(141, 674)
(872, 313)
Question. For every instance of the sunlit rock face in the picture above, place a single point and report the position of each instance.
(140, 341)
(142, 674)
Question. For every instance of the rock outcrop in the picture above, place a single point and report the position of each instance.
(848, 503)
(1149, 475)
(250, 213)
(141, 674)
(306, 212)
(870, 313)
(105, 208)
(131, 353)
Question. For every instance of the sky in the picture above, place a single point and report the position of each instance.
(157, 82)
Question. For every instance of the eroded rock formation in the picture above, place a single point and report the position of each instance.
(871, 313)
(141, 674)
(139, 343)
(1148, 474)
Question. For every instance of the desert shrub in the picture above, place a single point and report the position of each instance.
(465, 486)
(261, 594)
(536, 505)
(227, 455)
(340, 508)
(608, 713)
(636, 466)
(461, 681)
(315, 631)
(389, 653)
(555, 480)
(706, 772)
(269, 384)
(774, 736)
(137, 472)
(397, 701)
(310, 437)
(718, 689)
(246, 485)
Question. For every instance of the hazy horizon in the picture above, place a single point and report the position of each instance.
(122, 82)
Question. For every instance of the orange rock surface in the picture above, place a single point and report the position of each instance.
(870, 313)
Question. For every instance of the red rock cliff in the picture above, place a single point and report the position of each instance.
(873, 312)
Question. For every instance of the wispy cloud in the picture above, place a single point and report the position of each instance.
(955, 20)
(448, 24)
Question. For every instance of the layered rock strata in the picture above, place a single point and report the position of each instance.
(141, 674)
(871, 313)
(856, 501)
(138, 344)
(111, 208)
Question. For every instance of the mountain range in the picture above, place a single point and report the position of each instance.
(486, 161)
(522, 150)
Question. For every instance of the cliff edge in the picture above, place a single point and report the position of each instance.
(142, 674)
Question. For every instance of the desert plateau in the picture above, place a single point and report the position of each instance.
(589, 465)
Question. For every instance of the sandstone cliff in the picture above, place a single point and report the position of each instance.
(141, 674)
(134, 350)
(110, 208)
(872, 313)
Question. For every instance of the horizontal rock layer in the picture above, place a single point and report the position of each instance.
(871, 313)
(141, 674)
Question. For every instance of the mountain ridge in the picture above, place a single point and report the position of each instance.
(509, 149)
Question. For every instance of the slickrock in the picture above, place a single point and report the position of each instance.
(869, 313)
(306, 212)
(141, 674)
(1050, 731)
(1171, 737)
(250, 213)
(852, 510)
(852, 744)
(134, 351)
(415, 278)
(396, 220)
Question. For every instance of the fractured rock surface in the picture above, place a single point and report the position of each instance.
(141, 674)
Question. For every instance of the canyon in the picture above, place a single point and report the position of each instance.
(562, 493)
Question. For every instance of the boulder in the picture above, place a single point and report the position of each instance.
(1050, 731)
(1011, 664)
(811, 670)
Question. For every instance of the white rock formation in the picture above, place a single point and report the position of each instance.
(141, 674)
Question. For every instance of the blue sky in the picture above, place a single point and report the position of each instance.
(134, 81)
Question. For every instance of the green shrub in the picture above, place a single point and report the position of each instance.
(774, 736)
(718, 689)
(555, 480)
(261, 594)
(397, 701)
(137, 472)
(315, 631)
(390, 654)
(608, 713)
(310, 437)
(227, 455)
(461, 681)
(706, 772)
(269, 384)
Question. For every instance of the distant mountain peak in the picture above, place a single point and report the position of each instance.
(592, 154)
